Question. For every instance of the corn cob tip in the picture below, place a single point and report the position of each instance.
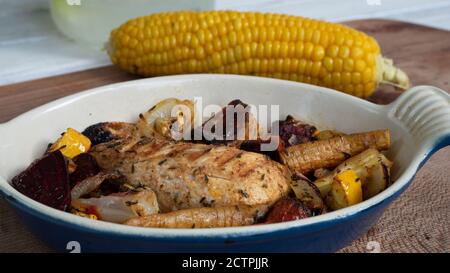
(392, 75)
(107, 46)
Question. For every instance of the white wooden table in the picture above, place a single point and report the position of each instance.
(31, 47)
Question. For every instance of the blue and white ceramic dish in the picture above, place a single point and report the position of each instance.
(419, 121)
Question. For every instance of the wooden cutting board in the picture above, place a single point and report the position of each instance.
(419, 221)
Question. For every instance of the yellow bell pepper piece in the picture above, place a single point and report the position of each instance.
(346, 190)
(71, 143)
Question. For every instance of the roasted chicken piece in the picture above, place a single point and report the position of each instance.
(190, 175)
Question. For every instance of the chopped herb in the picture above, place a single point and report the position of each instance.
(206, 203)
(206, 178)
(245, 194)
(130, 203)
(162, 161)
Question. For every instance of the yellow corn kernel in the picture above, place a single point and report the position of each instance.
(71, 143)
(272, 45)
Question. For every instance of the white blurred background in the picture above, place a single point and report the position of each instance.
(31, 46)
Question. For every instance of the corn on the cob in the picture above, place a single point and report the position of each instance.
(263, 44)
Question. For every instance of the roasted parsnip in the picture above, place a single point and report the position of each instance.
(204, 217)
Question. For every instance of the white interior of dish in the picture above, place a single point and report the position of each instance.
(25, 138)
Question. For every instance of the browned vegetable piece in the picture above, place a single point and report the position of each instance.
(307, 193)
(234, 130)
(287, 209)
(293, 132)
(202, 217)
(92, 183)
(257, 147)
(85, 166)
(327, 134)
(46, 181)
(378, 179)
(306, 157)
(322, 172)
(108, 131)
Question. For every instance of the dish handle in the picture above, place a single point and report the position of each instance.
(425, 112)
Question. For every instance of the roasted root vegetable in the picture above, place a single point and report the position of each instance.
(262, 44)
(327, 134)
(46, 181)
(205, 217)
(346, 190)
(287, 209)
(120, 207)
(85, 166)
(360, 164)
(306, 157)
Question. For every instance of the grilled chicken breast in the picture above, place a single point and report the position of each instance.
(190, 175)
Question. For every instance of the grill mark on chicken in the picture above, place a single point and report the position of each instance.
(152, 149)
(178, 150)
(194, 156)
(244, 172)
(227, 157)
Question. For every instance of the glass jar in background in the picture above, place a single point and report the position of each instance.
(90, 21)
